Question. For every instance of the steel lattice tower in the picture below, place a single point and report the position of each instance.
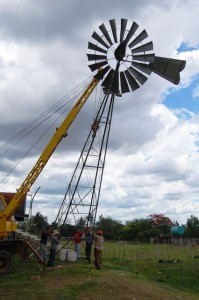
(82, 195)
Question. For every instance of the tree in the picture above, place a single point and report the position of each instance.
(110, 227)
(80, 223)
(38, 221)
(192, 227)
(67, 230)
(138, 228)
(161, 223)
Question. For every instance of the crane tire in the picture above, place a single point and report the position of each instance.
(6, 262)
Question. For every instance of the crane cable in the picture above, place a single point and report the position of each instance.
(72, 96)
(41, 119)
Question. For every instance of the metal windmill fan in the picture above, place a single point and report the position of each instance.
(125, 61)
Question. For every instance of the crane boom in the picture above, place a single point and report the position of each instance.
(7, 213)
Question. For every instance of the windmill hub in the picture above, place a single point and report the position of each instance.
(124, 59)
(120, 52)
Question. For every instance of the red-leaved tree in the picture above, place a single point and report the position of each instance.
(161, 222)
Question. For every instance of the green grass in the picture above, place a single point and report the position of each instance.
(125, 268)
(144, 260)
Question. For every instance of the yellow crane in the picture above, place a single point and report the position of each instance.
(8, 245)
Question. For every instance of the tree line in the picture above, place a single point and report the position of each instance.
(155, 225)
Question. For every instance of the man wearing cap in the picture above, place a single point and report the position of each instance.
(98, 248)
(54, 238)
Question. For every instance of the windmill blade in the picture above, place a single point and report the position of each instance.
(141, 78)
(115, 83)
(123, 29)
(168, 68)
(96, 66)
(96, 48)
(106, 34)
(108, 80)
(143, 48)
(132, 82)
(98, 38)
(95, 57)
(131, 32)
(114, 29)
(142, 36)
(124, 84)
(142, 67)
(111, 82)
(144, 57)
(101, 73)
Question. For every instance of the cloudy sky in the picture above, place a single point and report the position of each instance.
(152, 160)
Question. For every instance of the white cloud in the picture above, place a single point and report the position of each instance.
(192, 66)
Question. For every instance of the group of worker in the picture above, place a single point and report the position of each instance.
(90, 237)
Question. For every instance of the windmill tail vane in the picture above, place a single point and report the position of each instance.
(125, 59)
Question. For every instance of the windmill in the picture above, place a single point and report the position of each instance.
(123, 59)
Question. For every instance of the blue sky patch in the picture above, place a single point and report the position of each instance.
(184, 47)
(183, 98)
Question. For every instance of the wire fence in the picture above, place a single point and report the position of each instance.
(170, 264)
